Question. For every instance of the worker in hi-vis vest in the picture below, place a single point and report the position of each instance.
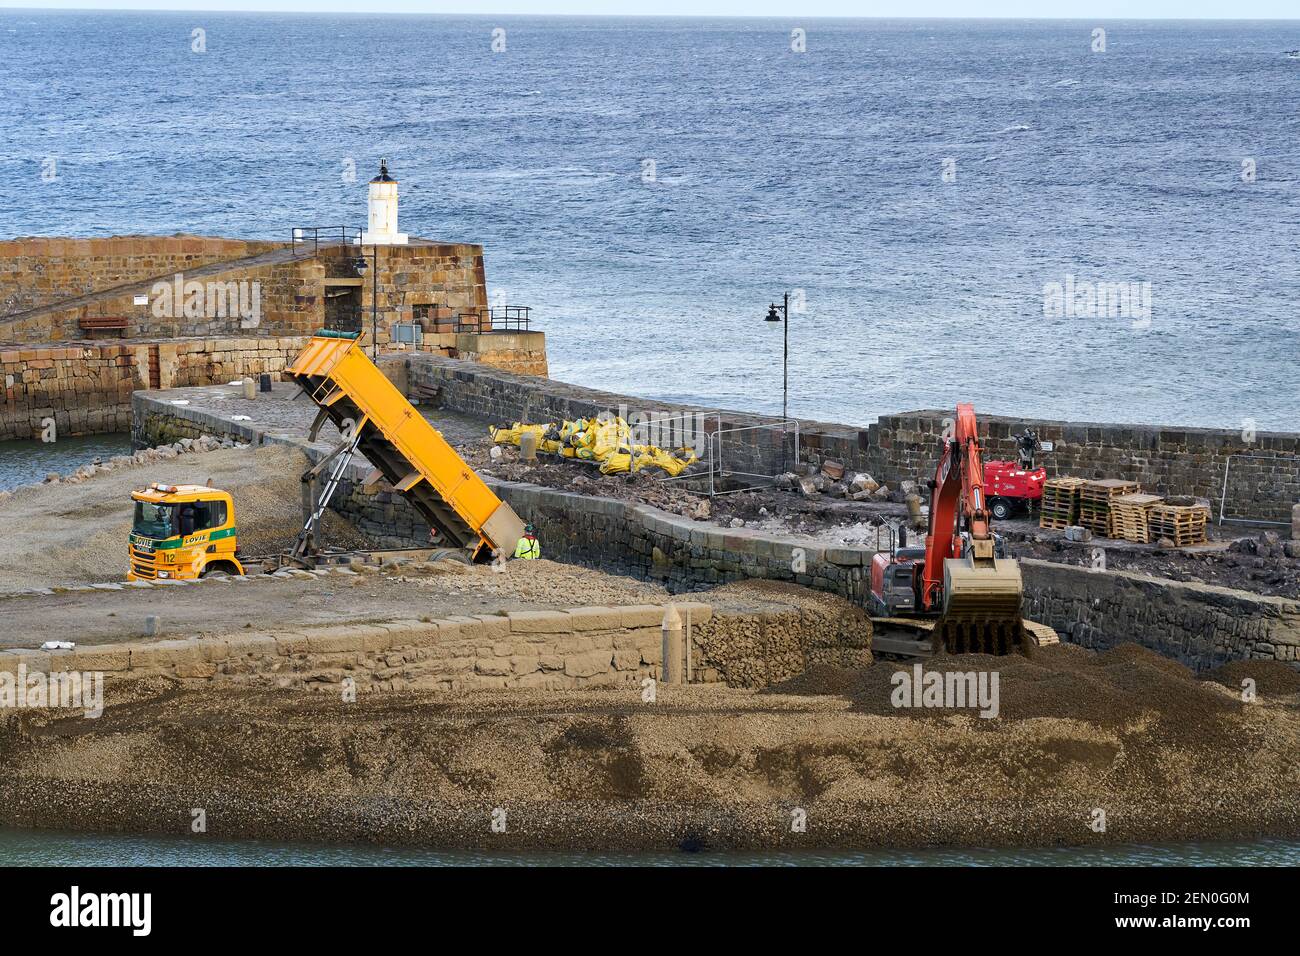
(528, 546)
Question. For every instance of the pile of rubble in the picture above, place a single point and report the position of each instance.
(1266, 564)
(829, 479)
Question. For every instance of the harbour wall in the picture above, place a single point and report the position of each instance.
(1263, 469)
(549, 650)
(1202, 626)
(85, 388)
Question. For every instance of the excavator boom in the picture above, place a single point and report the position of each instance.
(976, 593)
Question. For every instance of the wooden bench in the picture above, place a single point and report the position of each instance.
(103, 323)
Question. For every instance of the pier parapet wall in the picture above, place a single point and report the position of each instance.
(548, 650)
(1263, 469)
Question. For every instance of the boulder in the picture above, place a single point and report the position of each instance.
(863, 482)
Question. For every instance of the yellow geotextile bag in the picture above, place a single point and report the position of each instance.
(658, 458)
(616, 464)
(511, 435)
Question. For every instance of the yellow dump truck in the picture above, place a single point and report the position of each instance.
(376, 420)
(186, 531)
(182, 531)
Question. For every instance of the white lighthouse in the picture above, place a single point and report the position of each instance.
(382, 226)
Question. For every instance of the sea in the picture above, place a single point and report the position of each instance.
(937, 196)
(1079, 220)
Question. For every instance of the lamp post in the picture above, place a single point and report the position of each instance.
(360, 265)
(785, 358)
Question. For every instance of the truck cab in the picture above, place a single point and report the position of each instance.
(182, 532)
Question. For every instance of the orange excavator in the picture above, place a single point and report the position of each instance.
(961, 579)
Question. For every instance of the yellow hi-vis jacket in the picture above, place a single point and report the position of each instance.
(528, 548)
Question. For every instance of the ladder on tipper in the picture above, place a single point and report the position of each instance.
(401, 445)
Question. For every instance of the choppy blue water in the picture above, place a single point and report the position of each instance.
(50, 848)
(773, 170)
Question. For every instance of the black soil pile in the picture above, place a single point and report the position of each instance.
(1272, 678)
(1110, 689)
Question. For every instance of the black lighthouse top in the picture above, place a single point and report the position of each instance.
(383, 176)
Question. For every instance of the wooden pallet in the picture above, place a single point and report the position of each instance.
(1130, 516)
(1182, 524)
(1060, 505)
(1095, 498)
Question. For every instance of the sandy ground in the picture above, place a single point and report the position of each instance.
(447, 588)
(1166, 756)
(77, 533)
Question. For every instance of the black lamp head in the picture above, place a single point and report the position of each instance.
(771, 314)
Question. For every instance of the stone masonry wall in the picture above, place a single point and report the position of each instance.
(38, 272)
(1165, 460)
(86, 387)
(551, 650)
(290, 301)
(1198, 624)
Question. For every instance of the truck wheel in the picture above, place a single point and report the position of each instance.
(1001, 508)
(449, 554)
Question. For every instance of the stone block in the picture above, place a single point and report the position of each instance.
(588, 663)
(166, 654)
(595, 618)
(37, 661)
(540, 622)
(333, 640)
(99, 657)
(493, 627)
(641, 615)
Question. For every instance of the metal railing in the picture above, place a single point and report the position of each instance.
(314, 236)
(720, 474)
(505, 318)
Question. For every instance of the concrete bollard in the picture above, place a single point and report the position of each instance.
(151, 626)
(528, 446)
(1295, 521)
(670, 669)
(250, 389)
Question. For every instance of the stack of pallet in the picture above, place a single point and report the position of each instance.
(1060, 505)
(1130, 516)
(1095, 499)
(1181, 524)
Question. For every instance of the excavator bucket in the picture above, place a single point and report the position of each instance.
(981, 613)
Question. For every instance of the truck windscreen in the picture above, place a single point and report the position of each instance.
(154, 521)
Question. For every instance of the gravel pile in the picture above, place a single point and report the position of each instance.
(1166, 756)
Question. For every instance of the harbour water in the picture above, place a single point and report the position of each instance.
(54, 848)
(28, 462)
(649, 185)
